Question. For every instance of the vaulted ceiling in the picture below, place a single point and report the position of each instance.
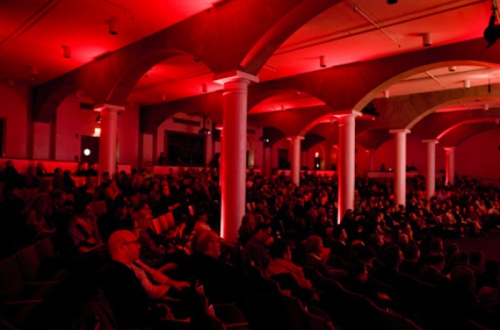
(43, 42)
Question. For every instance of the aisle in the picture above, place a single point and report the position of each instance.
(490, 245)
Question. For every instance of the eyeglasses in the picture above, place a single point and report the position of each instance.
(136, 242)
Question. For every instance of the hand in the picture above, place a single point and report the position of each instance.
(179, 285)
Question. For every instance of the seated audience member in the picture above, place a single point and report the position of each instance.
(491, 275)
(281, 262)
(69, 183)
(476, 262)
(127, 297)
(201, 222)
(461, 299)
(29, 178)
(256, 250)
(432, 273)
(245, 232)
(221, 282)
(58, 179)
(411, 264)
(387, 270)
(338, 246)
(38, 213)
(314, 258)
(116, 218)
(83, 228)
(11, 176)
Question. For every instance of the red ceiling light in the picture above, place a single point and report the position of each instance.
(66, 51)
(427, 39)
(112, 27)
(322, 61)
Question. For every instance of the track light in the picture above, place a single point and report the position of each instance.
(66, 52)
(204, 131)
(492, 32)
(386, 94)
(427, 39)
(392, 2)
(452, 68)
(111, 27)
(322, 62)
(467, 84)
(34, 72)
(486, 106)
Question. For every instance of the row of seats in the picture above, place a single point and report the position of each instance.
(350, 310)
(27, 282)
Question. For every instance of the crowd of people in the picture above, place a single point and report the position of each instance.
(288, 229)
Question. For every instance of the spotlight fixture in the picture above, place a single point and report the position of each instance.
(486, 106)
(492, 32)
(264, 139)
(452, 68)
(204, 131)
(467, 84)
(427, 39)
(66, 51)
(322, 62)
(386, 94)
(34, 72)
(392, 2)
(111, 27)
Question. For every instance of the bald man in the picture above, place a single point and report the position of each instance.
(123, 290)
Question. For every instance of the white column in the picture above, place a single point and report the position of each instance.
(431, 168)
(107, 140)
(400, 170)
(295, 158)
(372, 159)
(346, 160)
(450, 165)
(233, 150)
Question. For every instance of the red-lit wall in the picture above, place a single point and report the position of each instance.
(479, 156)
(14, 110)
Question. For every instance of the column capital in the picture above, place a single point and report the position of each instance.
(296, 137)
(102, 106)
(400, 130)
(435, 141)
(346, 113)
(222, 78)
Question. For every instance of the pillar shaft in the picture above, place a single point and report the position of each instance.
(233, 152)
(450, 165)
(295, 158)
(107, 141)
(346, 161)
(372, 159)
(400, 169)
(431, 168)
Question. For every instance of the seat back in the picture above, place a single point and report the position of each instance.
(99, 207)
(170, 219)
(11, 279)
(29, 263)
(163, 222)
(156, 226)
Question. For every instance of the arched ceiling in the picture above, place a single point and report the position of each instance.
(275, 39)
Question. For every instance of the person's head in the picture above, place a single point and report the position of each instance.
(436, 260)
(392, 256)
(262, 232)
(123, 246)
(339, 234)
(207, 242)
(281, 249)
(314, 244)
(463, 277)
(403, 239)
(248, 221)
(412, 252)
(476, 258)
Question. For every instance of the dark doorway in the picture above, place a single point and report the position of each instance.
(89, 150)
(283, 162)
